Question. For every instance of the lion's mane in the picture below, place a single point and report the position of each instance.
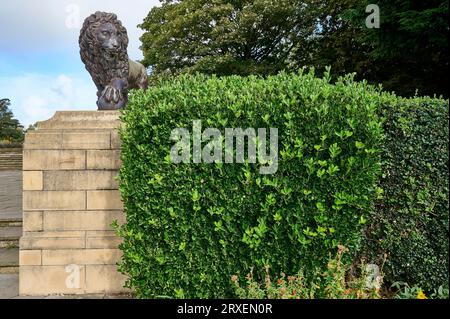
(102, 67)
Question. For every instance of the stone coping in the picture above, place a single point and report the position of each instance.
(83, 120)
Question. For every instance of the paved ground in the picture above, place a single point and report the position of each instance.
(10, 195)
(9, 286)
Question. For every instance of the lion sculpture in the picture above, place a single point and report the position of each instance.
(103, 49)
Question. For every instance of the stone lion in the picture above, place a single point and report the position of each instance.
(103, 49)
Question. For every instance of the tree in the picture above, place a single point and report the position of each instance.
(31, 127)
(224, 37)
(335, 42)
(408, 52)
(10, 129)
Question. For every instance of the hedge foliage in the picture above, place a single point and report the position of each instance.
(411, 223)
(190, 227)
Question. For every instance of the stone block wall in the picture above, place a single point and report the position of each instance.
(70, 199)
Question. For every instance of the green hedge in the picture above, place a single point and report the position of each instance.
(190, 227)
(411, 223)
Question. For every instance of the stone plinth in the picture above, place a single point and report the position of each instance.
(70, 199)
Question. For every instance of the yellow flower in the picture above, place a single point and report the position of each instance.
(421, 295)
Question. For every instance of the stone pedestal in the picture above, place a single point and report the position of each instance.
(70, 199)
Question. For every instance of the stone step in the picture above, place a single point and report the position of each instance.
(9, 260)
(10, 222)
(10, 232)
(10, 161)
(9, 236)
(17, 167)
(11, 168)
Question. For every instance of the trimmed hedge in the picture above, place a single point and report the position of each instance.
(190, 227)
(411, 223)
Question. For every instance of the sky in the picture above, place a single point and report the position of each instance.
(40, 66)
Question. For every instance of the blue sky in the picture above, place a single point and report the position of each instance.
(40, 66)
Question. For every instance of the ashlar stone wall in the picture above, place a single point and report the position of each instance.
(70, 199)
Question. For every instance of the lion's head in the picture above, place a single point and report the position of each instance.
(103, 48)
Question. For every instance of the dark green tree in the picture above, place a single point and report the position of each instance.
(409, 51)
(336, 40)
(11, 131)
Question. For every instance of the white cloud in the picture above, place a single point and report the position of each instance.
(46, 25)
(63, 86)
(36, 97)
(35, 106)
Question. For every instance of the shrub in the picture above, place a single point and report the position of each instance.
(333, 283)
(404, 291)
(411, 223)
(191, 226)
